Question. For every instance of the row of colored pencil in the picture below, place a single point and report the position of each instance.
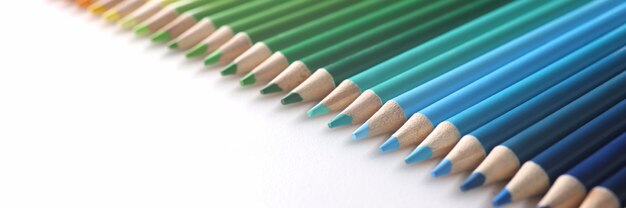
(527, 90)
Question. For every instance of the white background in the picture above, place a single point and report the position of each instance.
(92, 116)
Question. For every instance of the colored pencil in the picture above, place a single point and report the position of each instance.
(191, 17)
(244, 39)
(372, 99)
(393, 112)
(99, 7)
(122, 9)
(264, 48)
(84, 3)
(281, 59)
(473, 148)
(448, 132)
(611, 193)
(142, 13)
(569, 189)
(324, 79)
(227, 31)
(301, 68)
(349, 89)
(166, 15)
(505, 159)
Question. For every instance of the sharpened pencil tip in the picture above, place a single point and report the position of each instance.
(504, 197)
(172, 45)
(128, 23)
(291, 98)
(390, 145)
(247, 80)
(111, 16)
(317, 110)
(213, 58)
(97, 8)
(160, 36)
(83, 3)
(141, 30)
(475, 180)
(442, 169)
(361, 132)
(420, 154)
(271, 88)
(229, 70)
(340, 120)
(197, 50)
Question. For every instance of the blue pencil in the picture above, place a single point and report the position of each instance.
(428, 108)
(509, 98)
(609, 194)
(447, 83)
(505, 159)
(569, 189)
(439, 143)
(536, 175)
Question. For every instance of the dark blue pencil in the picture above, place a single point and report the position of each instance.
(536, 175)
(609, 194)
(569, 189)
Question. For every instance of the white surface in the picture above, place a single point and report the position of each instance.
(91, 116)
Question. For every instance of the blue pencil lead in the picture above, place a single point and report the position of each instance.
(340, 120)
(443, 168)
(361, 132)
(389, 145)
(475, 180)
(420, 154)
(504, 197)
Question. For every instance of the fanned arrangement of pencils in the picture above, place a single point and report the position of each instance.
(528, 91)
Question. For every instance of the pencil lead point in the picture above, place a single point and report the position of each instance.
(361, 132)
(317, 110)
(504, 197)
(160, 36)
(141, 30)
(291, 98)
(213, 58)
(111, 16)
(128, 23)
(197, 50)
(390, 145)
(249, 79)
(172, 45)
(340, 120)
(443, 168)
(420, 154)
(228, 70)
(97, 8)
(271, 88)
(475, 180)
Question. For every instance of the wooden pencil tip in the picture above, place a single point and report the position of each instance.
(420, 154)
(197, 50)
(475, 180)
(213, 58)
(340, 120)
(442, 169)
(504, 197)
(317, 110)
(249, 79)
(229, 70)
(141, 30)
(390, 145)
(173, 45)
(160, 36)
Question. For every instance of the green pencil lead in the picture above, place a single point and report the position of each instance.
(141, 29)
(173, 45)
(127, 23)
(340, 120)
(228, 70)
(317, 110)
(161, 36)
(248, 80)
(291, 98)
(213, 58)
(271, 88)
(197, 50)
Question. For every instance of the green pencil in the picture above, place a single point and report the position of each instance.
(166, 15)
(262, 50)
(244, 40)
(325, 79)
(372, 99)
(348, 90)
(190, 18)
